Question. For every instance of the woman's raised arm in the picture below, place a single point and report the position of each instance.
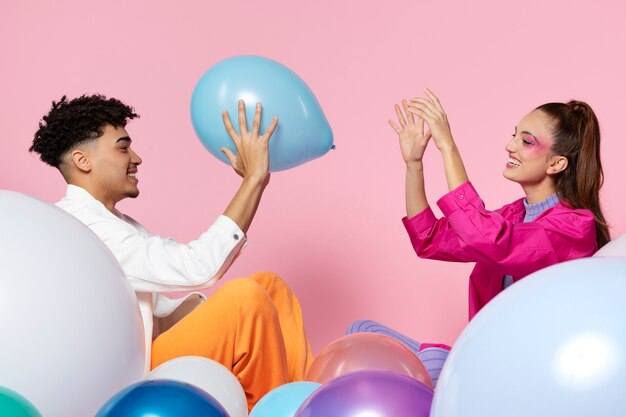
(413, 142)
(432, 112)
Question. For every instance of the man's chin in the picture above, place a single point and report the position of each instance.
(133, 194)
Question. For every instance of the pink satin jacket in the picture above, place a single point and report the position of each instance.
(498, 241)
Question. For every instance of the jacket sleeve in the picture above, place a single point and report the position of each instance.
(156, 264)
(521, 248)
(434, 238)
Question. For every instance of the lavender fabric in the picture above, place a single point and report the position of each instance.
(432, 358)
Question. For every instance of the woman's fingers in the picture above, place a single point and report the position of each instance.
(400, 116)
(435, 100)
(409, 115)
(422, 111)
(420, 123)
(395, 127)
(426, 105)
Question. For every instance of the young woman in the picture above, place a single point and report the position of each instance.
(554, 155)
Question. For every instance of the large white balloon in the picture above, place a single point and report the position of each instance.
(616, 247)
(70, 328)
(209, 375)
(553, 344)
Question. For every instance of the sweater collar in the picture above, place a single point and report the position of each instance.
(537, 208)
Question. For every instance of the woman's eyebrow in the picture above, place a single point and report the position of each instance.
(530, 134)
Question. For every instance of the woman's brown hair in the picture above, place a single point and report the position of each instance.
(577, 137)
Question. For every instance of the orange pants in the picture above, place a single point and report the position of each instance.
(253, 326)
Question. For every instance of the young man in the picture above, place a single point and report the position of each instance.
(252, 325)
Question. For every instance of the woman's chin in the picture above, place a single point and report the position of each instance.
(508, 175)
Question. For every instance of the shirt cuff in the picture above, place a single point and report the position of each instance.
(229, 228)
(458, 198)
(420, 222)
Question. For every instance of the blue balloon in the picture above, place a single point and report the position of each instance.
(552, 344)
(303, 133)
(285, 400)
(162, 398)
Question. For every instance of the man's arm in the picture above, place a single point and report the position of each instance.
(251, 162)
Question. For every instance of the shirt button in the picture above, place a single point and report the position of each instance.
(236, 237)
(461, 197)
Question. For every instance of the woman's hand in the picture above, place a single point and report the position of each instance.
(413, 140)
(433, 113)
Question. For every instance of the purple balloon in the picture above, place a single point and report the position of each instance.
(369, 393)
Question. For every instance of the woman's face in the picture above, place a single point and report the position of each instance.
(530, 154)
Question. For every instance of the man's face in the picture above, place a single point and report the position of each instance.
(114, 166)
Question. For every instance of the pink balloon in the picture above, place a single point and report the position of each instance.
(366, 351)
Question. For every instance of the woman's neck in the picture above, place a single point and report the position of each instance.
(536, 193)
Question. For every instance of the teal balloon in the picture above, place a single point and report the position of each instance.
(303, 133)
(285, 400)
(13, 404)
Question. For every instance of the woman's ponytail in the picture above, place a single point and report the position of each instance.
(577, 137)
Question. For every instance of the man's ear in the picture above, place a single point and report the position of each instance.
(558, 163)
(80, 159)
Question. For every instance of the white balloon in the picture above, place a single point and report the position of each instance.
(209, 375)
(616, 247)
(553, 344)
(70, 325)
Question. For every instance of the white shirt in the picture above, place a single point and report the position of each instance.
(154, 264)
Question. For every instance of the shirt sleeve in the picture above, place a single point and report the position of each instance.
(517, 249)
(434, 238)
(156, 264)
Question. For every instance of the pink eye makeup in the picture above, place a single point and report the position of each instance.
(525, 138)
(529, 140)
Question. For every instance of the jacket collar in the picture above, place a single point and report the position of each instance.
(518, 209)
(76, 194)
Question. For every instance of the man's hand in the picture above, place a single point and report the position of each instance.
(251, 162)
(252, 158)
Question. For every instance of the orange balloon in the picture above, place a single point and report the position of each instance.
(363, 351)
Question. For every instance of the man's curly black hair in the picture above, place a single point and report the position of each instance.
(71, 122)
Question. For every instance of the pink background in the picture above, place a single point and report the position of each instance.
(330, 227)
